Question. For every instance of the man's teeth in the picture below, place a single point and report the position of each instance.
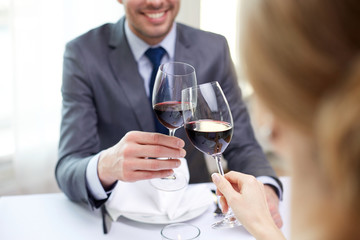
(155, 15)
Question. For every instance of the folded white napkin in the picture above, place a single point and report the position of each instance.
(142, 198)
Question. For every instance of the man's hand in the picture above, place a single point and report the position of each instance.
(273, 204)
(131, 159)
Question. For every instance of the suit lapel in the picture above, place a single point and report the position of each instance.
(183, 51)
(126, 71)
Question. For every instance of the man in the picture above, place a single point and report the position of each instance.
(107, 129)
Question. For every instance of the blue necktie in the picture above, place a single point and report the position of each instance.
(155, 55)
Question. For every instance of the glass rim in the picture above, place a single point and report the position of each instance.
(180, 224)
(171, 74)
(201, 85)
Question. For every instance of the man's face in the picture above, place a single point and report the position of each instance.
(151, 20)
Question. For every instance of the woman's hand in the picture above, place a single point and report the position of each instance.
(246, 196)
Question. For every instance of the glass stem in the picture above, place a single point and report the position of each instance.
(229, 219)
(172, 132)
(218, 164)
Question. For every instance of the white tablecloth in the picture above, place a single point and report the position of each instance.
(54, 216)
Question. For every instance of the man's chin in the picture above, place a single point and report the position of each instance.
(158, 33)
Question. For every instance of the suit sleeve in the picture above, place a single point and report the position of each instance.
(243, 154)
(78, 133)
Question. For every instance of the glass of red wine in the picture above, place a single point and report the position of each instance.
(209, 127)
(171, 79)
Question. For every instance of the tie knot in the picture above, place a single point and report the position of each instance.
(155, 55)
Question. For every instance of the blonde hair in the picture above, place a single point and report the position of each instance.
(303, 60)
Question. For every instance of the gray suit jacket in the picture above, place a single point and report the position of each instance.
(104, 98)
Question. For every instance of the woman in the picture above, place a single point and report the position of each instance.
(303, 60)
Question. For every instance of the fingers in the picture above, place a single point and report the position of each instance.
(224, 204)
(275, 214)
(151, 164)
(157, 151)
(222, 184)
(147, 138)
(141, 169)
(134, 157)
(273, 204)
(277, 219)
(143, 175)
(238, 178)
(154, 145)
(234, 181)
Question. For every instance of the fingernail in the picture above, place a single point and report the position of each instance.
(168, 174)
(180, 143)
(215, 177)
(182, 152)
(178, 163)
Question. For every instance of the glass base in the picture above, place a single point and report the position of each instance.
(229, 221)
(172, 183)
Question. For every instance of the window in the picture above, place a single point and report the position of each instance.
(6, 83)
(224, 18)
(33, 34)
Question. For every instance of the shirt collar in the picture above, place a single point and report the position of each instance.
(138, 46)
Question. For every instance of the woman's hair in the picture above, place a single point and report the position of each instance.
(303, 60)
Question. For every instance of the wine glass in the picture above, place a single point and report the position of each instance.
(209, 126)
(183, 231)
(171, 79)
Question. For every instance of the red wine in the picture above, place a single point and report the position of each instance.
(169, 114)
(209, 136)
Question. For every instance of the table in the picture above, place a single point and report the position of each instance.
(54, 216)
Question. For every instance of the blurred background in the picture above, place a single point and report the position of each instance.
(33, 34)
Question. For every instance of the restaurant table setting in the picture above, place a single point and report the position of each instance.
(141, 201)
(54, 216)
